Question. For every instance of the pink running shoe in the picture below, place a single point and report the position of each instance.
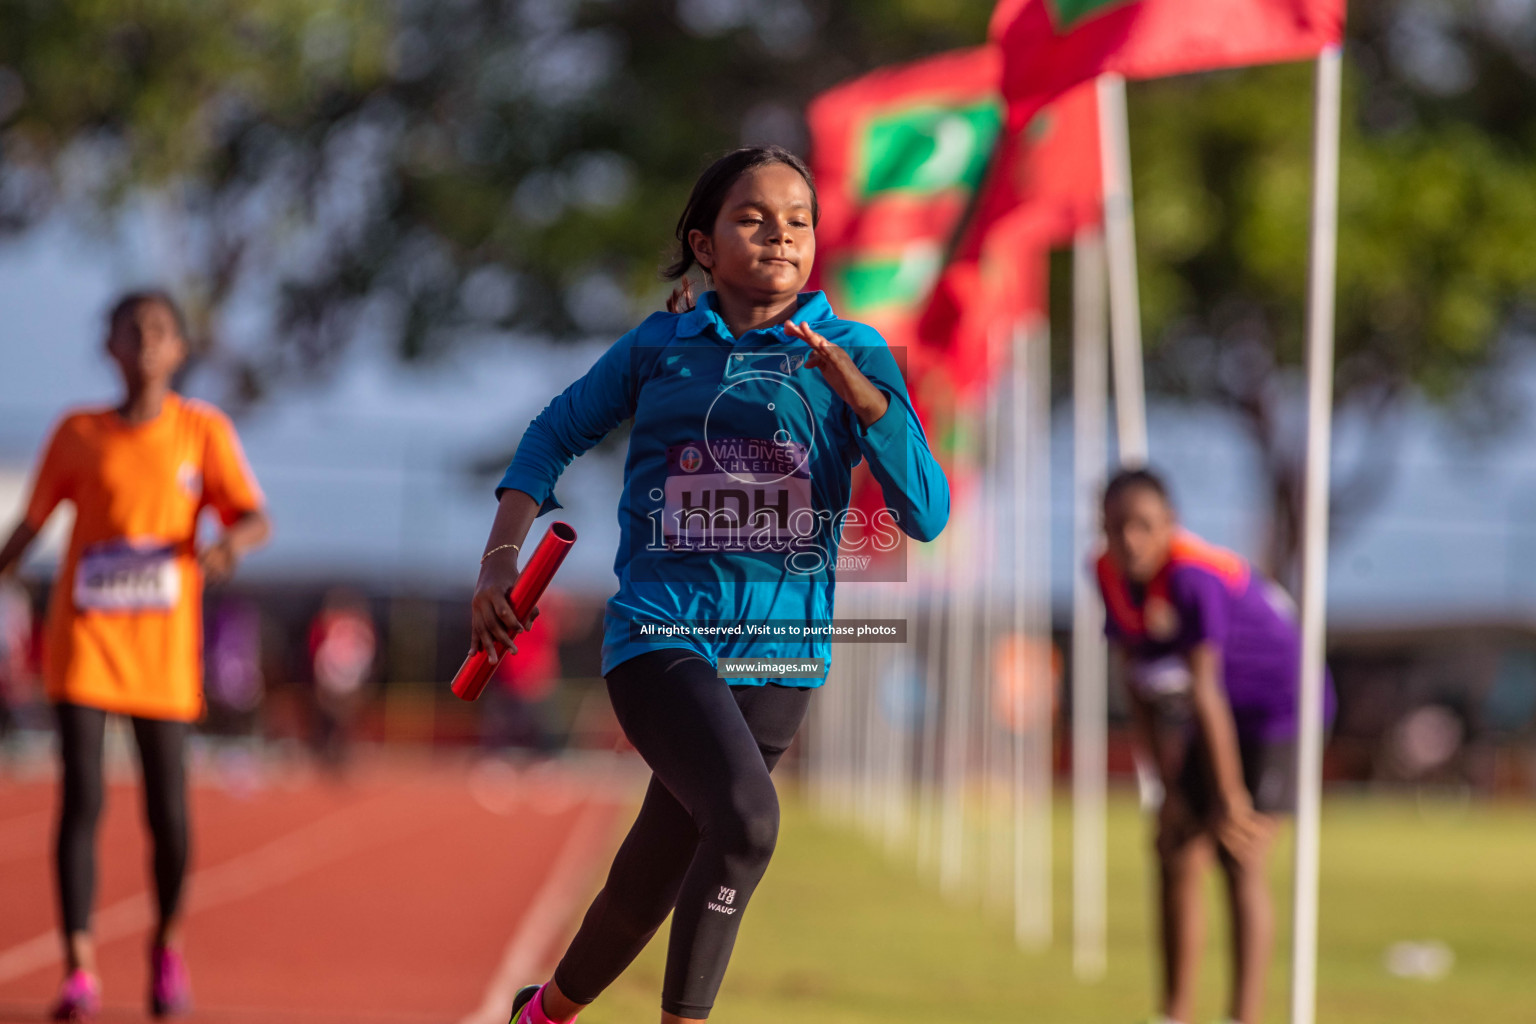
(170, 991)
(79, 997)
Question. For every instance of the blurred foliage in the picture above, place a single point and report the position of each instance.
(1435, 267)
(424, 172)
(414, 170)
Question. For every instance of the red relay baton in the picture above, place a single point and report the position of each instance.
(469, 681)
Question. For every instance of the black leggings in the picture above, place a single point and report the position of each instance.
(705, 831)
(161, 754)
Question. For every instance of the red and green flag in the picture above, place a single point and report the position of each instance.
(898, 156)
(920, 183)
(1051, 45)
(1044, 187)
(936, 221)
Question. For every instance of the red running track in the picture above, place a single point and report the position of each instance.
(410, 892)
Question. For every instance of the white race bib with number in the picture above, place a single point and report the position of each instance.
(127, 576)
(738, 493)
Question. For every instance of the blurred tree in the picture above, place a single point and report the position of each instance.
(423, 171)
(199, 112)
(416, 171)
(1435, 273)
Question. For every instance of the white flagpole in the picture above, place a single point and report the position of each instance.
(1035, 923)
(1314, 545)
(1124, 300)
(993, 745)
(1124, 314)
(958, 650)
(928, 756)
(894, 667)
(1090, 456)
(1031, 692)
(1021, 463)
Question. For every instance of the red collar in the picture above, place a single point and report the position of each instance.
(1129, 616)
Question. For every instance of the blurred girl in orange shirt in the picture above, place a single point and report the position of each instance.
(124, 628)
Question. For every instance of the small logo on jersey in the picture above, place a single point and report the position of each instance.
(690, 460)
(189, 480)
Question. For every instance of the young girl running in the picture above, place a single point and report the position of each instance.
(125, 618)
(750, 411)
(1211, 655)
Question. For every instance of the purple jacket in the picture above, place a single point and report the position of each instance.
(1206, 594)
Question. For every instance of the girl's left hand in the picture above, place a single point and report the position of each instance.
(836, 365)
(218, 560)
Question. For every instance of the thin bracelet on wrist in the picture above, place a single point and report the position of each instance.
(499, 547)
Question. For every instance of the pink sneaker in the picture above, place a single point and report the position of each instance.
(79, 997)
(170, 991)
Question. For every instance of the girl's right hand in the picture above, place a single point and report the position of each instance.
(492, 620)
(1238, 827)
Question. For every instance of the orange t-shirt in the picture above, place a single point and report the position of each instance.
(125, 629)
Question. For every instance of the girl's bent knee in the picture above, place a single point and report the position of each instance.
(749, 831)
(760, 834)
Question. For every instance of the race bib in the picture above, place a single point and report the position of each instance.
(738, 494)
(127, 576)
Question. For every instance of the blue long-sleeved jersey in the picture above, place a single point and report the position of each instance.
(736, 484)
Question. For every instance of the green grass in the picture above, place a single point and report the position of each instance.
(839, 932)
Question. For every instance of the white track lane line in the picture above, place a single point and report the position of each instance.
(564, 886)
(338, 835)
